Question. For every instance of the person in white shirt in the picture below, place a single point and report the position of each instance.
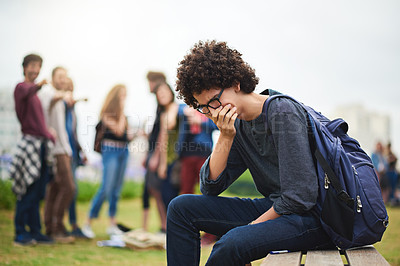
(61, 188)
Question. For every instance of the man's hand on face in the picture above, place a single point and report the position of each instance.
(224, 118)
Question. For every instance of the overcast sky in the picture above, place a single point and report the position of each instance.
(324, 53)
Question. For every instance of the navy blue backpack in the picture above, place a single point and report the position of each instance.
(350, 203)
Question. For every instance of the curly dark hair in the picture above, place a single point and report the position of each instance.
(31, 58)
(212, 65)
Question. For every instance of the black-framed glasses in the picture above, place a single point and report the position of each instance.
(214, 103)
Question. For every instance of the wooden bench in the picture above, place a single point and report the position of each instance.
(362, 256)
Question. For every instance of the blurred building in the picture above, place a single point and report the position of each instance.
(9, 130)
(9, 125)
(367, 126)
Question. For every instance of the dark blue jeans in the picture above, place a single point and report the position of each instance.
(168, 190)
(114, 165)
(27, 209)
(240, 243)
(72, 206)
(393, 178)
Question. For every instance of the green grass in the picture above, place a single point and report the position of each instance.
(7, 198)
(83, 251)
(87, 191)
(130, 214)
(87, 253)
(389, 247)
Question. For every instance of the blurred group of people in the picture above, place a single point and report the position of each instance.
(179, 143)
(49, 153)
(384, 161)
(47, 156)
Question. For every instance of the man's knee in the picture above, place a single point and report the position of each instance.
(229, 250)
(230, 243)
(180, 204)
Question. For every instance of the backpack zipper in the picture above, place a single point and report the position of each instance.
(354, 169)
(326, 181)
(359, 203)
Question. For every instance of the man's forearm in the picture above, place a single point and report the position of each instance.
(219, 156)
(268, 215)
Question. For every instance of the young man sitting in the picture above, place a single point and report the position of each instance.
(214, 79)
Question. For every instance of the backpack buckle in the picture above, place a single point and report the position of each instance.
(343, 196)
(385, 223)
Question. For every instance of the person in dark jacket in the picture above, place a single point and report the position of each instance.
(152, 184)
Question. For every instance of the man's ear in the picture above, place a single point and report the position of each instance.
(237, 87)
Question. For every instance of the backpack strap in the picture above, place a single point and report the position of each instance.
(333, 179)
(268, 101)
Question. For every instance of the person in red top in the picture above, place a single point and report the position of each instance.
(29, 169)
(27, 104)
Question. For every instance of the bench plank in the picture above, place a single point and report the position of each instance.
(323, 257)
(361, 256)
(291, 258)
(365, 256)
